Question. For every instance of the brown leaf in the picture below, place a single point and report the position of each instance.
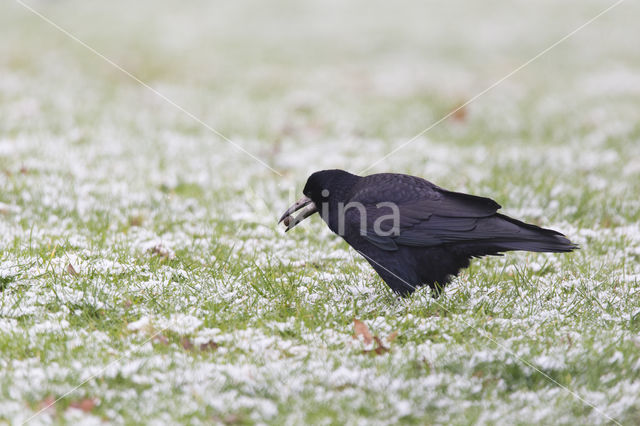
(136, 220)
(232, 419)
(392, 337)
(209, 346)
(361, 329)
(186, 343)
(460, 114)
(161, 338)
(71, 270)
(85, 405)
(162, 251)
(47, 403)
(380, 348)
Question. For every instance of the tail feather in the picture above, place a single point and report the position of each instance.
(502, 233)
(535, 238)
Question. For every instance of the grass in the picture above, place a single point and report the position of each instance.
(143, 278)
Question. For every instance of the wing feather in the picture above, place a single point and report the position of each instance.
(428, 215)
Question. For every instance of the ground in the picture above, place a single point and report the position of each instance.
(143, 278)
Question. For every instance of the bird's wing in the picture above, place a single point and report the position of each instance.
(427, 214)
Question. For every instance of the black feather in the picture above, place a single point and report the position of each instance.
(437, 231)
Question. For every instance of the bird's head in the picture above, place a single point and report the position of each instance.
(322, 190)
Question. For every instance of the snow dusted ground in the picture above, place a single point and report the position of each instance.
(142, 275)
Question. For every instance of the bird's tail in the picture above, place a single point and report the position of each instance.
(502, 233)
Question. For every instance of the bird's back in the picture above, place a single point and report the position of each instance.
(438, 231)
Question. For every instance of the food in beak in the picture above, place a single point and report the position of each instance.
(308, 208)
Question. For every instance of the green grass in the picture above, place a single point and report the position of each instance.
(187, 304)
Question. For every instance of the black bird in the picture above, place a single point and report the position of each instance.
(413, 232)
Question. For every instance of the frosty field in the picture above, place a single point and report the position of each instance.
(143, 278)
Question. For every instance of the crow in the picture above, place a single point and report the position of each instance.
(412, 232)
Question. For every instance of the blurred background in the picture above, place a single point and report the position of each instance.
(309, 85)
(119, 211)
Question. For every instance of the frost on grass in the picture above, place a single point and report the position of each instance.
(141, 252)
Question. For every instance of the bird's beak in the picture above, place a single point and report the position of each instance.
(304, 203)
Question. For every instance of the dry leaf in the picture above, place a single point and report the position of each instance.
(136, 220)
(85, 405)
(47, 403)
(209, 346)
(361, 329)
(460, 114)
(379, 349)
(161, 338)
(392, 337)
(71, 270)
(164, 252)
(186, 343)
(231, 419)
